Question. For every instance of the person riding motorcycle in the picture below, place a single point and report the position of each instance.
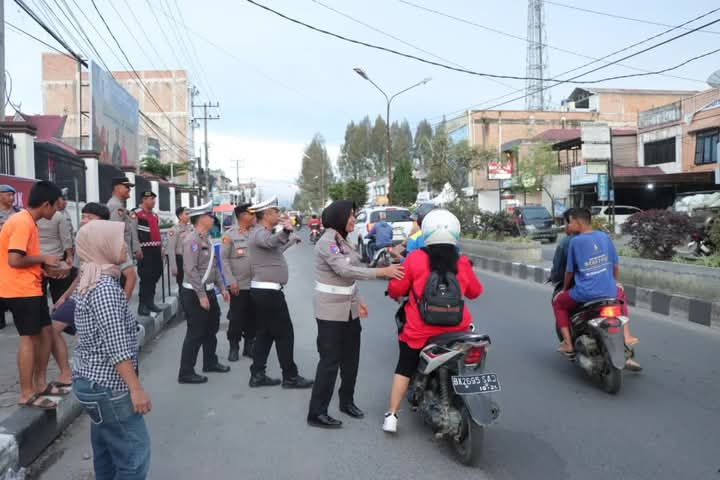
(440, 254)
(314, 222)
(415, 240)
(381, 236)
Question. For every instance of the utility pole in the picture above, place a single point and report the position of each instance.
(205, 106)
(2, 55)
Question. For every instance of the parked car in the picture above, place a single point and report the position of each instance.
(535, 222)
(398, 217)
(622, 213)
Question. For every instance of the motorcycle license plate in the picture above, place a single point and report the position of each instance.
(468, 385)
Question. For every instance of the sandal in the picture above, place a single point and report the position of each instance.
(56, 389)
(39, 402)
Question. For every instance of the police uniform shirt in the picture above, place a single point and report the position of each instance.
(337, 263)
(5, 214)
(196, 258)
(235, 258)
(54, 235)
(118, 213)
(266, 255)
(70, 226)
(175, 242)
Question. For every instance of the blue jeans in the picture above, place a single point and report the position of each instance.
(119, 437)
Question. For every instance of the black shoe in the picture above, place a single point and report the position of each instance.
(234, 354)
(2, 323)
(217, 368)
(352, 410)
(249, 347)
(144, 311)
(154, 308)
(192, 378)
(297, 382)
(263, 380)
(323, 421)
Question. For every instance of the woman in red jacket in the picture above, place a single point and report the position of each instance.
(441, 231)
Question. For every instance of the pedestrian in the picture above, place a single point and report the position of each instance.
(202, 311)
(338, 310)
(63, 210)
(176, 239)
(7, 209)
(105, 363)
(118, 213)
(270, 274)
(21, 267)
(150, 264)
(238, 274)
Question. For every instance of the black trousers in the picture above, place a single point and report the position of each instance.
(241, 317)
(180, 270)
(58, 286)
(338, 344)
(202, 328)
(149, 271)
(273, 325)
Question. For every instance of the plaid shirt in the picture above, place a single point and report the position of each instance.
(107, 334)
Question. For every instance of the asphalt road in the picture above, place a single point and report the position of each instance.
(555, 423)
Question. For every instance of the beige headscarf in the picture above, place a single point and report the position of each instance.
(100, 248)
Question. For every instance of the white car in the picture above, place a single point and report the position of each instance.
(398, 217)
(622, 213)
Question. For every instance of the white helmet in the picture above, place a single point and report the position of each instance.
(440, 227)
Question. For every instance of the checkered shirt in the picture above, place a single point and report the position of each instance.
(107, 334)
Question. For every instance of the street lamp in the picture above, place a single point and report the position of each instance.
(389, 100)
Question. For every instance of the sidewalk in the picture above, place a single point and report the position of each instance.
(26, 432)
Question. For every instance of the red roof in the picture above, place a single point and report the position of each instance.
(619, 171)
(48, 126)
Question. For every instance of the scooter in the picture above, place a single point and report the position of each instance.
(315, 234)
(382, 258)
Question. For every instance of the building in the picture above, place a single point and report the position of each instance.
(164, 128)
(377, 189)
(493, 128)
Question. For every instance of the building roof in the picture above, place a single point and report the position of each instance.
(560, 135)
(48, 126)
(581, 93)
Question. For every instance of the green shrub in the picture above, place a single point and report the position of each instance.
(656, 233)
(468, 212)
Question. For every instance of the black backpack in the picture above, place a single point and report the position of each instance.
(441, 304)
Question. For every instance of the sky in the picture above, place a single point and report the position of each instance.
(279, 83)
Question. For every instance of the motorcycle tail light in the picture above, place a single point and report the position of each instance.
(610, 311)
(474, 355)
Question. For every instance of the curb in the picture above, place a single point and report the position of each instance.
(27, 433)
(678, 307)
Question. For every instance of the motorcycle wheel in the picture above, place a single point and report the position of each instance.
(611, 377)
(468, 446)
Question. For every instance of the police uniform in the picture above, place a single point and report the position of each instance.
(56, 239)
(270, 274)
(176, 239)
(5, 214)
(151, 265)
(235, 259)
(119, 213)
(201, 278)
(337, 301)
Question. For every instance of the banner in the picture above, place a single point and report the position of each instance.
(21, 185)
(114, 119)
(500, 170)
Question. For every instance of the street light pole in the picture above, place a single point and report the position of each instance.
(388, 101)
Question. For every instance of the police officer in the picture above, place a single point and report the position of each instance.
(338, 310)
(199, 299)
(151, 264)
(238, 274)
(7, 209)
(118, 213)
(56, 239)
(62, 208)
(270, 274)
(176, 238)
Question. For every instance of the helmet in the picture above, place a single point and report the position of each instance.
(440, 227)
(422, 210)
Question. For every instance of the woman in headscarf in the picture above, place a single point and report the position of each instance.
(105, 378)
(338, 309)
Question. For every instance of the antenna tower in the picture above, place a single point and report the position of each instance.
(538, 98)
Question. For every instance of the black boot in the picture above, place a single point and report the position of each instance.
(234, 354)
(143, 310)
(249, 347)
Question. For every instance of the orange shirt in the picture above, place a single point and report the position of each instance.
(20, 234)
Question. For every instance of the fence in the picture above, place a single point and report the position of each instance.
(61, 167)
(7, 154)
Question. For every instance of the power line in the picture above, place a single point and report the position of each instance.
(525, 39)
(389, 35)
(129, 30)
(621, 17)
(162, 31)
(33, 37)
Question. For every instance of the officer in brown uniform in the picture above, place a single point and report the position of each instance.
(175, 240)
(338, 309)
(199, 299)
(118, 213)
(238, 274)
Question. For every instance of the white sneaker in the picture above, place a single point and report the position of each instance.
(390, 423)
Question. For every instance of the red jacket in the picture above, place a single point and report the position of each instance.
(417, 270)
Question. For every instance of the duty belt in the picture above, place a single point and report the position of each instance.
(334, 289)
(208, 286)
(151, 244)
(266, 285)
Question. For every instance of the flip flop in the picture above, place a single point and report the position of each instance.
(44, 404)
(635, 341)
(60, 390)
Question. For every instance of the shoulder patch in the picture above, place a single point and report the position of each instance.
(171, 233)
(194, 246)
(334, 249)
(121, 211)
(225, 239)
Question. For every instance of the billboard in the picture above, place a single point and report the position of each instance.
(114, 119)
(500, 170)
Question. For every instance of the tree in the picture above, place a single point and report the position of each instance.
(423, 144)
(355, 157)
(155, 167)
(533, 169)
(378, 146)
(356, 190)
(315, 175)
(404, 186)
(401, 142)
(336, 191)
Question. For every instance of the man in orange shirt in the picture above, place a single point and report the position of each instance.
(21, 261)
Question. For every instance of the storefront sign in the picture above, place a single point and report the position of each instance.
(21, 185)
(602, 188)
(579, 176)
(500, 170)
(660, 115)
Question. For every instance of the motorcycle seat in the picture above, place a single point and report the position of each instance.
(601, 302)
(453, 337)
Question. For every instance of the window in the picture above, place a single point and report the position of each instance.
(361, 218)
(391, 216)
(706, 144)
(660, 152)
(538, 213)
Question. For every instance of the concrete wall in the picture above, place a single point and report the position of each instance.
(691, 280)
(515, 252)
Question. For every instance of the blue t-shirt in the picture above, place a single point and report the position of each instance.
(592, 257)
(383, 233)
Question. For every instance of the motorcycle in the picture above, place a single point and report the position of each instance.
(382, 258)
(315, 234)
(700, 246)
(453, 392)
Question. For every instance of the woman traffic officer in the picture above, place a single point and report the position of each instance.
(338, 309)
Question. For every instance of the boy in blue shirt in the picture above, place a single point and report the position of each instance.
(592, 265)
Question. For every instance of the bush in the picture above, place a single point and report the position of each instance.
(601, 223)
(497, 225)
(468, 213)
(656, 233)
(714, 233)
